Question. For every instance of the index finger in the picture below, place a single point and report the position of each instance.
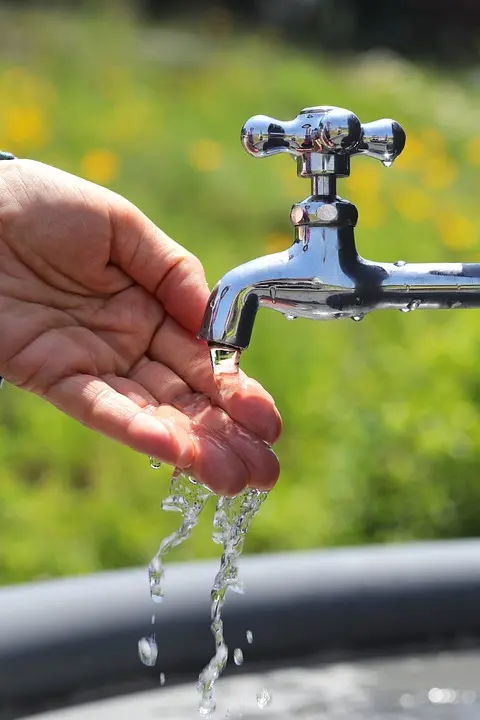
(159, 264)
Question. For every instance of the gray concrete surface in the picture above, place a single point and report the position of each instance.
(443, 686)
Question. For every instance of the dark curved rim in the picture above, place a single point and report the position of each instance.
(67, 640)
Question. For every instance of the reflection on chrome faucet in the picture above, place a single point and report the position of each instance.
(321, 276)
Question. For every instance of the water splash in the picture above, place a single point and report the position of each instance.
(189, 498)
(263, 699)
(232, 520)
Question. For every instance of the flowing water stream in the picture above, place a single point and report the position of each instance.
(232, 520)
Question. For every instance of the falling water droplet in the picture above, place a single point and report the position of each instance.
(358, 318)
(413, 305)
(249, 636)
(148, 651)
(399, 263)
(290, 317)
(155, 574)
(263, 699)
(162, 678)
(238, 656)
(155, 463)
(153, 619)
(273, 294)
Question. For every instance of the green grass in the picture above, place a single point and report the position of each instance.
(382, 418)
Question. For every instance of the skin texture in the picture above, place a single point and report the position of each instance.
(99, 311)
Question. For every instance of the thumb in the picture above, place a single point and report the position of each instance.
(159, 264)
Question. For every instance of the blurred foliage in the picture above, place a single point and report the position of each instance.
(382, 418)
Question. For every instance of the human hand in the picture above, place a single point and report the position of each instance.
(98, 315)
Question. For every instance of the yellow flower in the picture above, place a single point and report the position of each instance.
(439, 172)
(458, 232)
(432, 140)
(364, 182)
(371, 213)
(205, 155)
(413, 204)
(24, 128)
(100, 166)
(473, 152)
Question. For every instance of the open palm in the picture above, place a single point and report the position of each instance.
(98, 315)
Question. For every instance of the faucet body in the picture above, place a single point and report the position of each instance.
(321, 276)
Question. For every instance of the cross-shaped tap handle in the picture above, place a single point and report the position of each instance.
(323, 139)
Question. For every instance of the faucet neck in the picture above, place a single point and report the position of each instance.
(324, 186)
(323, 171)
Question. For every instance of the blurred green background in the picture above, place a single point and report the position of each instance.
(382, 418)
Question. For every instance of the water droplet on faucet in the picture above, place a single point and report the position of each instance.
(290, 317)
(387, 163)
(413, 305)
(358, 318)
(155, 463)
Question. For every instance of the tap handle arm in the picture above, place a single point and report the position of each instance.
(326, 131)
(383, 140)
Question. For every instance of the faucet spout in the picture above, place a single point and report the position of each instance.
(230, 315)
(307, 280)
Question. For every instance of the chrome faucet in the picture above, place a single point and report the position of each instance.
(321, 276)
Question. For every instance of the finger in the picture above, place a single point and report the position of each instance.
(158, 263)
(225, 461)
(213, 423)
(219, 441)
(215, 464)
(246, 401)
(97, 405)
